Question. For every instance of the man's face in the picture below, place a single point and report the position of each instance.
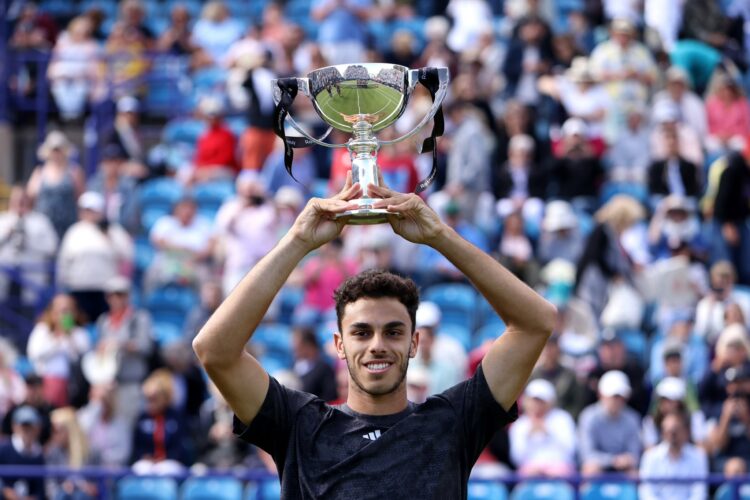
(29, 433)
(673, 431)
(613, 405)
(376, 341)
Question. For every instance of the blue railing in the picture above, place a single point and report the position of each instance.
(577, 486)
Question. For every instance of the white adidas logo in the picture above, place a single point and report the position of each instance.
(372, 436)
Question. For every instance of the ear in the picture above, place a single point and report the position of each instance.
(414, 344)
(338, 341)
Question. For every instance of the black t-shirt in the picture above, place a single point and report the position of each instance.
(425, 451)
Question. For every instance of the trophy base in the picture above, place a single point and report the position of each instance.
(365, 214)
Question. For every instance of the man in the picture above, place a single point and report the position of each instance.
(674, 457)
(609, 430)
(315, 373)
(377, 440)
(23, 448)
(673, 174)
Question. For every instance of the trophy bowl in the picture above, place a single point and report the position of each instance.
(360, 99)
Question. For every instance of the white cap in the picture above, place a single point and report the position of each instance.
(99, 367)
(288, 195)
(428, 315)
(574, 126)
(540, 389)
(211, 106)
(559, 215)
(91, 200)
(672, 388)
(614, 383)
(117, 284)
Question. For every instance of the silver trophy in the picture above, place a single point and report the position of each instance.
(361, 99)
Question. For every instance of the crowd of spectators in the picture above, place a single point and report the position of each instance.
(599, 150)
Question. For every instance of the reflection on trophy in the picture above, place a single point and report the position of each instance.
(361, 99)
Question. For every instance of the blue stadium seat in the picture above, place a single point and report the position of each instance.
(183, 130)
(486, 490)
(726, 492)
(490, 331)
(251, 491)
(269, 489)
(171, 304)
(144, 253)
(485, 314)
(457, 302)
(636, 343)
(146, 488)
(610, 189)
(156, 198)
(275, 339)
(211, 488)
(607, 491)
(165, 332)
(210, 79)
(210, 195)
(543, 490)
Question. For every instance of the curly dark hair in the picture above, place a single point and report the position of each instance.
(377, 284)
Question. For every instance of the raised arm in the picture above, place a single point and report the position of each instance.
(529, 318)
(220, 345)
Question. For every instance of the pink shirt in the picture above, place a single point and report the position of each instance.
(322, 279)
(728, 120)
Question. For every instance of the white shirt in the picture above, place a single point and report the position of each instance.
(555, 445)
(248, 233)
(89, 257)
(709, 314)
(658, 463)
(51, 355)
(195, 237)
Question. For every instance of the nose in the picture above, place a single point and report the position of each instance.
(377, 343)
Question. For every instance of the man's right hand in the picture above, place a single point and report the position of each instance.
(316, 225)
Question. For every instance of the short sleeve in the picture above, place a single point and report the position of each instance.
(272, 426)
(481, 415)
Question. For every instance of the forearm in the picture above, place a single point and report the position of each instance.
(519, 306)
(225, 334)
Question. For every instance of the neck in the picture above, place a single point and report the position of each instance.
(675, 450)
(386, 404)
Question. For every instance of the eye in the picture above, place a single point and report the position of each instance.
(393, 333)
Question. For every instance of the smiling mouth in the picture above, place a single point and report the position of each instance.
(378, 366)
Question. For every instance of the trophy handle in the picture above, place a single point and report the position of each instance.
(304, 86)
(439, 96)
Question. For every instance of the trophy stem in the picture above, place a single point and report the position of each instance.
(363, 148)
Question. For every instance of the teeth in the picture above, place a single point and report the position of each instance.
(378, 366)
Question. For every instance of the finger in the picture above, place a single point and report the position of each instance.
(382, 191)
(353, 191)
(334, 206)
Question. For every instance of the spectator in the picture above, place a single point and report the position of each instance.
(109, 434)
(710, 311)
(515, 251)
(529, 56)
(219, 447)
(125, 335)
(73, 69)
(34, 32)
(216, 30)
(625, 68)
(190, 386)
(612, 354)
(731, 216)
(569, 392)
(117, 188)
(609, 432)
(12, 385)
(575, 176)
(666, 118)
(729, 431)
(36, 399)
(561, 237)
(342, 29)
(247, 227)
(671, 396)
(604, 260)
(691, 349)
(56, 184)
(319, 277)
(69, 448)
(674, 457)
(177, 39)
(126, 136)
(315, 373)
(438, 363)
(520, 183)
(628, 158)
(159, 444)
(23, 448)
(55, 347)
(543, 439)
(673, 174)
(28, 243)
(184, 244)
(92, 252)
(215, 151)
(211, 296)
(126, 62)
(673, 224)
(690, 106)
(731, 363)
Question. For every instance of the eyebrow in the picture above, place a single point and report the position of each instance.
(390, 324)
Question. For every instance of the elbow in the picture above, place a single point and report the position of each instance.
(202, 349)
(548, 319)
